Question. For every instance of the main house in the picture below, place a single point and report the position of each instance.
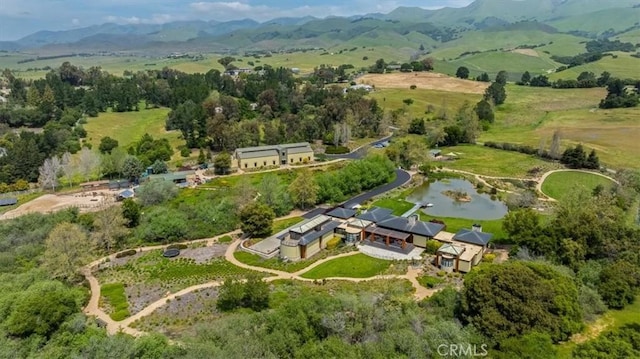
(276, 155)
(380, 228)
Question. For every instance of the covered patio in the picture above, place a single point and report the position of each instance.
(388, 237)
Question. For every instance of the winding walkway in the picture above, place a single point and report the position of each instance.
(124, 326)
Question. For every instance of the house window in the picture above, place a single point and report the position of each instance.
(265, 163)
(292, 160)
(300, 159)
(255, 164)
(274, 163)
(245, 165)
(446, 263)
(309, 158)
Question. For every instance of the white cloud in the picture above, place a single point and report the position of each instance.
(154, 19)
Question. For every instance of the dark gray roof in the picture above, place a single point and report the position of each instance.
(312, 236)
(421, 228)
(343, 213)
(376, 214)
(8, 201)
(473, 237)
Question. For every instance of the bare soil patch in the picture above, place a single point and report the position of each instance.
(528, 52)
(203, 254)
(52, 203)
(423, 80)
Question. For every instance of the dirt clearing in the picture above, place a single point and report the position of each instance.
(52, 203)
(528, 52)
(423, 80)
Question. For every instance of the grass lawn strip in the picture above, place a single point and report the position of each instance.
(278, 264)
(356, 266)
(114, 294)
(559, 185)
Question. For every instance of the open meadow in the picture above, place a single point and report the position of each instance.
(423, 80)
(531, 116)
(129, 127)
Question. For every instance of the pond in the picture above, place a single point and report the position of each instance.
(481, 206)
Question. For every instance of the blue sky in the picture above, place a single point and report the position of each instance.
(22, 17)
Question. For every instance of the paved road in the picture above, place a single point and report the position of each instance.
(402, 177)
(361, 151)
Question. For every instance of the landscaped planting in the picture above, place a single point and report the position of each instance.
(356, 266)
(182, 313)
(159, 275)
(116, 300)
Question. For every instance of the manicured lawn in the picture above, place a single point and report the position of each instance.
(561, 184)
(115, 295)
(399, 206)
(456, 224)
(492, 162)
(356, 266)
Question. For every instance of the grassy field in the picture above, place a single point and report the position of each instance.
(117, 299)
(356, 266)
(286, 176)
(531, 116)
(492, 162)
(128, 127)
(623, 66)
(391, 99)
(559, 185)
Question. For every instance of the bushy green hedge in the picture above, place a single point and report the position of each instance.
(336, 150)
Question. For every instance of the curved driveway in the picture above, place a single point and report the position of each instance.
(402, 177)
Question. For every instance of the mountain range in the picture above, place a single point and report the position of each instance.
(587, 18)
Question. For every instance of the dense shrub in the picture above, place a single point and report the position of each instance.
(336, 150)
(126, 253)
(354, 178)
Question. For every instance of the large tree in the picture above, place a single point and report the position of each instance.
(109, 228)
(132, 168)
(256, 220)
(517, 298)
(49, 173)
(462, 72)
(495, 93)
(66, 248)
(304, 190)
(222, 163)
